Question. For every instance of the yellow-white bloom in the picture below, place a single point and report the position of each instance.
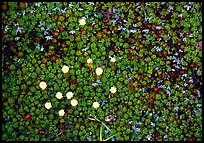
(74, 102)
(59, 95)
(99, 71)
(43, 85)
(113, 89)
(48, 105)
(69, 95)
(113, 60)
(89, 61)
(96, 104)
(61, 112)
(65, 69)
(82, 21)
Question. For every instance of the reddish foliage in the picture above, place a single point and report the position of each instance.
(157, 134)
(37, 39)
(165, 52)
(4, 6)
(159, 32)
(108, 13)
(58, 18)
(54, 40)
(42, 132)
(105, 19)
(149, 25)
(191, 139)
(61, 28)
(156, 89)
(182, 72)
(164, 75)
(27, 116)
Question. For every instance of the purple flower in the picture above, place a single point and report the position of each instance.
(108, 13)
(63, 11)
(180, 15)
(118, 19)
(46, 32)
(158, 27)
(191, 81)
(31, 11)
(168, 93)
(19, 29)
(72, 31)
(185, 84)
(171, 8)
(105, 19)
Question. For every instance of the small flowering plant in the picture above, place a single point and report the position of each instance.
(69, 95)
(96, 104)
(61, 112)
(113, 89)
(48, 105)
(82, 22)
(99, 71)
(65, 69)
(43, 85)
(59, 95)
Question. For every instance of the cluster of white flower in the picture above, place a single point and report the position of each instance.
(59, 95)
(69, 95)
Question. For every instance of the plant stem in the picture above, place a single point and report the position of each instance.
(102, 123)
(101, 128)
(109, 137)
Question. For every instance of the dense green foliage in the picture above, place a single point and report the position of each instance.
(157, 72)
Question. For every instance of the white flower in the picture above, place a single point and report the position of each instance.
(82, 22)
(99, 71)
(48, 105)
(89, 61)
(58, 95)
(61, 112)
(96, 104)
(43, 85)
(74, 102)
(65, 69)
(69, 95)
(113, 60)
(113, 89)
